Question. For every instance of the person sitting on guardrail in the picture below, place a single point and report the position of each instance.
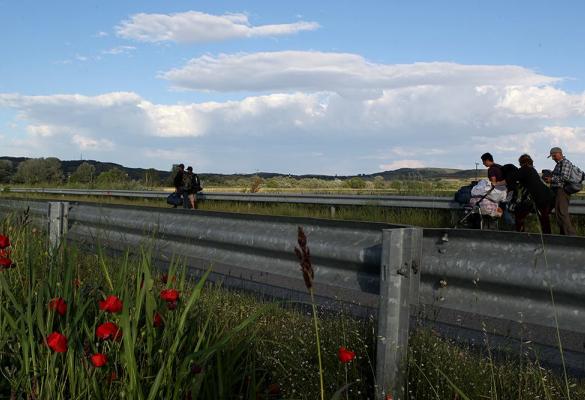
(531, 194)
(178, 180)
(566, 180)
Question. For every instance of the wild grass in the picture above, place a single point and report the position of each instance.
(218, 343)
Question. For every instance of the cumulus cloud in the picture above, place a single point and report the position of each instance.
(337, 72)
(434, 114)
(402, 164)
(198, 27)
(541, 102)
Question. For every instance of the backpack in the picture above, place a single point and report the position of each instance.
(196, 183)
(576, 177)
(463, 195)
(174, 199)
(187, 181)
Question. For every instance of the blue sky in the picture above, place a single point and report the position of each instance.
(332, 87)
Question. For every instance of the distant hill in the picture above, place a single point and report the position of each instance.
(399, 174)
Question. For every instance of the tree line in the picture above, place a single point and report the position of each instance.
(48, 171)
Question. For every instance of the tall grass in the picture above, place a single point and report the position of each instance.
(217, 343)
(169, 361)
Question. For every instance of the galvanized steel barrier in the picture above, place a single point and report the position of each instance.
(425, 202)
(366, 265)
(501, 287)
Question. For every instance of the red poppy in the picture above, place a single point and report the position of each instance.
(157, 320)
(99, 360)
(57, 342)
(108, 330)
(111, 304)
(6, 263)
(113, 377)
(274, 389)
(345, 355)
(59, 305)
(4, 242)
(170, 295)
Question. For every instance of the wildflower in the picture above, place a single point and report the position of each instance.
(169, 295)
(99, 360)
(304, 256)
(345, 355)
(4, 242)
(172, 305)
(196, 369)
(108, 330)
(273, 389)
(113, 377)
(5, 263)
(57, 342)
(157, 320)
(59, 305)
(111, 304)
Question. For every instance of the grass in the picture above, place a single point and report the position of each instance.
(218, 343)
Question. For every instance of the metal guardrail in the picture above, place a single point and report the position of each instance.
(577, 207)
(364, 265)
(472, 283)
(504, 283)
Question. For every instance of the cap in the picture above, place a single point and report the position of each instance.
(555, 150)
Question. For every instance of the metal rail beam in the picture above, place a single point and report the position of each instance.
(426, 202)
(491, 283)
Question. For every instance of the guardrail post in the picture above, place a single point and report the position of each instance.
(58, 219)
(332, 210)
(399, 278)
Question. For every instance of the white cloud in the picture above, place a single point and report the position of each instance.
(119, 50)
(571, 139)
(344, 73)
(101, 34)
(402, 164)
(199, 27)
(361, 116)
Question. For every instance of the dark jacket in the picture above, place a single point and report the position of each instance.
(531, 181)
(178, 180)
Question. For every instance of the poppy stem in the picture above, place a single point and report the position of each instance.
(322, 386)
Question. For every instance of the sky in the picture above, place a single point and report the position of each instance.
(324, 87)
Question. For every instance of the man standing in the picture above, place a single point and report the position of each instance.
(178, 182)
(494, 170)
(561, 175)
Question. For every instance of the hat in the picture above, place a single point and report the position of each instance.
(181, 166)
(555, 150)
(189, 168)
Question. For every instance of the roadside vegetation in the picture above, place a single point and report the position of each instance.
(83, 324)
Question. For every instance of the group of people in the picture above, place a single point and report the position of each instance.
(529, 192)
(187, 184)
